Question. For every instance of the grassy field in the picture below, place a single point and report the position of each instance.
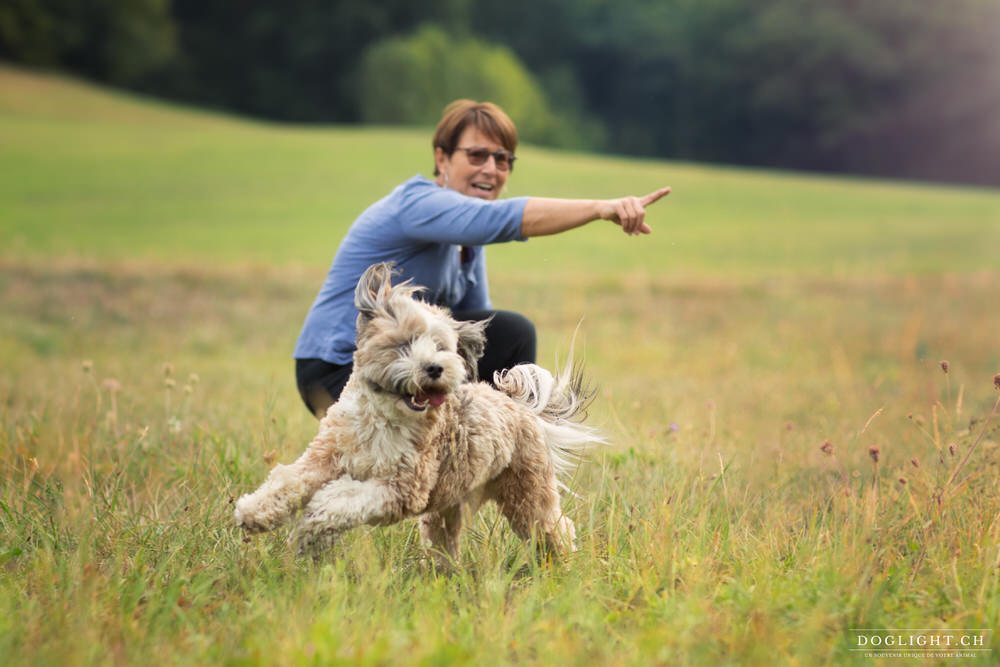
(775, 336)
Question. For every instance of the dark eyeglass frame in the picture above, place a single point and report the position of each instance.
(477, 156)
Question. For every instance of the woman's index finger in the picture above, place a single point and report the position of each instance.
(655, 196)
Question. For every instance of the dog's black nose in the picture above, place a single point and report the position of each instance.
(433, 371)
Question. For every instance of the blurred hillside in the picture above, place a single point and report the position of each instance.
(899, 88)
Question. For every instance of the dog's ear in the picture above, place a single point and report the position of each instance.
(372, 292)
(471, 344)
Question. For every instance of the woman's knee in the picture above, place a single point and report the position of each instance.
(514, 325)
(516, 333)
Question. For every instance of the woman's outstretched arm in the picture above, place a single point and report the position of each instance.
(544, 216)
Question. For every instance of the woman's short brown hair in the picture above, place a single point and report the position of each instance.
(486, 117)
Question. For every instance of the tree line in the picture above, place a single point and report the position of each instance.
(900, 88)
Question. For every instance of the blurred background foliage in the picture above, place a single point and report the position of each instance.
(901, 88)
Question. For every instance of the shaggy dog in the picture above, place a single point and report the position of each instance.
(414, 436)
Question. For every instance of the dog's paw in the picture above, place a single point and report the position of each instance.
(246, 519)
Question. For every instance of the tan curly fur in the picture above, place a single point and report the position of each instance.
(414, 436)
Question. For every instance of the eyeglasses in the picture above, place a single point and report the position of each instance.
(478, 156)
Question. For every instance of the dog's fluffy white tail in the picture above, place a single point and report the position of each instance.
(561, 404)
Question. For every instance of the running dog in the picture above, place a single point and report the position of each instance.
(414, 435)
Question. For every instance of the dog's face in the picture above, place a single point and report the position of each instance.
(412, 352)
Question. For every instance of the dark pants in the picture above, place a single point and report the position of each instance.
(510, 340)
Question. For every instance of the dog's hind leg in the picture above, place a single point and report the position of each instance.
(530, 501)
(342, 504)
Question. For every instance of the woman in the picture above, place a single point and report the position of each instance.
(434, 232)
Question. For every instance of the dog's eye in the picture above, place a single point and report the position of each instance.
(443, 344)
(404, 347)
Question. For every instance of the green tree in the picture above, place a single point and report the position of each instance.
(409, 80)
(291, 60)
(895, 87)
(111, 40)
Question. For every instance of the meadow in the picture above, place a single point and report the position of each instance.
(789, 459)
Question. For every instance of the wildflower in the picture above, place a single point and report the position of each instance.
(112, 385)
(915, 462)
(902, 481)
(944, 365)
(193, 379)
(168, 369)
(674, 427)
(996, 380)
(169, 383)
(87, 366)
(952, 449)
(873, 452)
(789, 426)
(827, 448)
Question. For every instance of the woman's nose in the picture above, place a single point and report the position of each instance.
(491, 164)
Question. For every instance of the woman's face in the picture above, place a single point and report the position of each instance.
(458, 173)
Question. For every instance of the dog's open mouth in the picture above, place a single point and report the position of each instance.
(420, 401)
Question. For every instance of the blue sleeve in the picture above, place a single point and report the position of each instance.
(439, 215)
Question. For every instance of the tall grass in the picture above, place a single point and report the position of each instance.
(716, 529)
(790, 459)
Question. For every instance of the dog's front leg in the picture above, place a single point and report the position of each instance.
(286, 490)
(342, 504)
(439, 531)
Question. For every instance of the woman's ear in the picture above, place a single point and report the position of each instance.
(441, 161)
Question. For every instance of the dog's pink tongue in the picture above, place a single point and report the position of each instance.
(434, 399)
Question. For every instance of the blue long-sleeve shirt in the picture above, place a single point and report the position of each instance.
(420, 227)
